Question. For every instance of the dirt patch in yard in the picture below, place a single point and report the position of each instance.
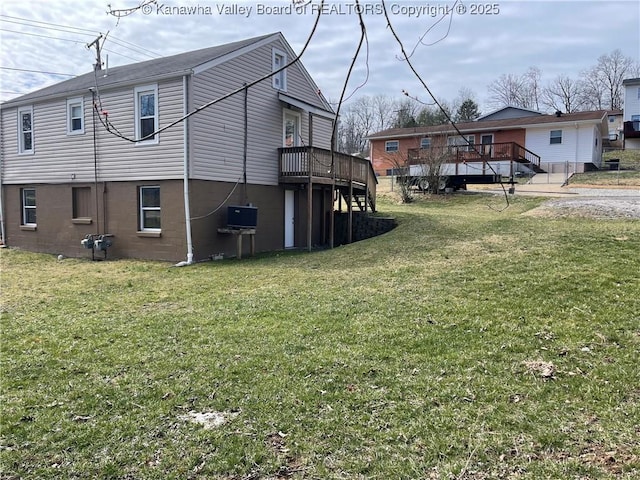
(600, 208)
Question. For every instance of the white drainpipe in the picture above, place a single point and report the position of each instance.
(185, 146)
(2, 233)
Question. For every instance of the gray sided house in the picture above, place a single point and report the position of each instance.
(67, 172)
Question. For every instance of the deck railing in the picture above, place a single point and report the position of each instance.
(317, 162)
(479, 153)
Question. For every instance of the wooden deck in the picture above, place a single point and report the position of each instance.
(505, 151)
(353, 176)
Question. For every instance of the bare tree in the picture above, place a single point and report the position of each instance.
(407, 111)
(506, 91)
(612, 69)
(362, 117)
(384, 111)
(401, 169)
(428, 169)
(563, 94)
(593, 90)
(532, 88)
(512, 90)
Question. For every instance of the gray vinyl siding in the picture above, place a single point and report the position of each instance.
(322, 131)
(217, 133)
(60, 158)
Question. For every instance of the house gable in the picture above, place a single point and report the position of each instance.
(217, 132)
(507, 113)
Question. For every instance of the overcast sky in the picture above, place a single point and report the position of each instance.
(469, 48)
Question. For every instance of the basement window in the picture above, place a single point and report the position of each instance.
(28, 204)
(555, 137)
(149, 198)
(81, 200)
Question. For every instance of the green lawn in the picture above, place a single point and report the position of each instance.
(468, 343)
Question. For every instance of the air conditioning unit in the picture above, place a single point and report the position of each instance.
(242, 216)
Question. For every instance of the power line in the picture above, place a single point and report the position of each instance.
(47, 28)
(106, 123)
(121, 54)
(48, 23)
(38, 71)
(41, 36)
(80, 31)
(426, 87)
(117, 39)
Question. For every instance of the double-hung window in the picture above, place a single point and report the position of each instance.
(279, 60)
(149, 208)
(25, 130)
(555, 137)
(391, 146)
(28, 203)
(75, 116)
(146, 113)
(425, 142)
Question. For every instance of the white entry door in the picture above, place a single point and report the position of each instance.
(289, 219)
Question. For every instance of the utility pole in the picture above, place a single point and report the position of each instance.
(96, 43)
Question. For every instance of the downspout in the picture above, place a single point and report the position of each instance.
(245, 146)
(185, 149)
(3, 239)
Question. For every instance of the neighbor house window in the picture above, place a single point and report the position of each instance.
(458, 141)
(555, 136)
(612, 119)
(471, 141)
(279, 60)
(150, 208)
(391, 146)
(81, 202)
(146, 113)
(75, 116)
(425, 143)
(28, 202)
(25, 130)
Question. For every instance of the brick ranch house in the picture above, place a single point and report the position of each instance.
(165, 196)
(530, 140)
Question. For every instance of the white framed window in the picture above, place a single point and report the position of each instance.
(391, 146)
(28, 204)
(25, 130)
(555, 137)
(291, 129)
(425, 142)
(279, 60)
(146, 113)
(638, 93)
(149, 200)
(75, 116)
(471, 142)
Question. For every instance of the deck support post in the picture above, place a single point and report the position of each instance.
(350, 204)
(309, 205)
(332, 213)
